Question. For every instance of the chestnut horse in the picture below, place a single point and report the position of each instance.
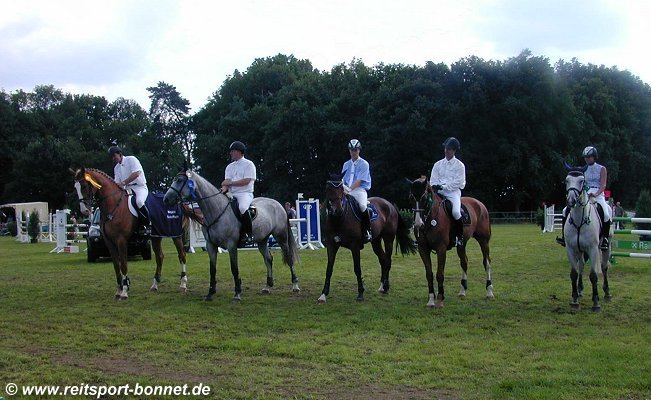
(118, 224)
(432, 228)
(343, 228)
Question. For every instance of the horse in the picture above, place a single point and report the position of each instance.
(343, 228)
(118, 224)
(432, 225)
(221, 227)
(581, 232)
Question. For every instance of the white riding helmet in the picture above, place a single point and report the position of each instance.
(354, 144)
(590, 152)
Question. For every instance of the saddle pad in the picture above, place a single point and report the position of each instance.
(355, 207)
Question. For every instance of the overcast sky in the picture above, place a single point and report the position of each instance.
(118, 48)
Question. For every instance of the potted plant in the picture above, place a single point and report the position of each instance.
(33, 226)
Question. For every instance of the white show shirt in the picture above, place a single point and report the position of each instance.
(450, 172)
(238, 170)
(129, 165)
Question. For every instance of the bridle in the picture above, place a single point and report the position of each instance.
(95, 198)
(335, 185)
(426, 198)
(193, 197)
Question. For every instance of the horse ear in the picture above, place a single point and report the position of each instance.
(185, 165)
(567, 166)
(584, 168)
(408, 181)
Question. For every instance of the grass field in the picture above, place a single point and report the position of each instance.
(60, 325)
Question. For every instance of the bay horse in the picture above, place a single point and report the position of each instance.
(432, 225)
(118, 224)
(221, 227)
(343, 229)
(581, 231)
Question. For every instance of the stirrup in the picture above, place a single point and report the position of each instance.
(368, 236)
(560, 240)
(459, 242)
(144, 230)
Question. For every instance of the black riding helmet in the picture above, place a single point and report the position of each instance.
(452, 143)
(237, 145)
(114, 150)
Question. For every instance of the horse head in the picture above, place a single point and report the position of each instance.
(335, 194)
(182, 188)
(85, 190)
(575, 185)
(419, 198)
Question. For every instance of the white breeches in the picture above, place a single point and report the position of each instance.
(601, 199)
(141, 194)
(361, 196)
(243, 200)
(455, 198)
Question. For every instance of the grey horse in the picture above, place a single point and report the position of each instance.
(581, 231)
(221, 228)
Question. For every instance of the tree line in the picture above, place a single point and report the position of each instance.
(517, 120)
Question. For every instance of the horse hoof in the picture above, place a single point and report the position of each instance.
(596, 308)
(462, 296)
(439, 304)
(296, 290)
(574, 305)
(153, 289)
(207, 298)
(431, 305)
(321, 299)
(360, 299)
(266, 290)
(608, 297)
(236, 299)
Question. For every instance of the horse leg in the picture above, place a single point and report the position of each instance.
(124, 269)
(425, 255)
(180, 251)
(357, 266)
(113, 251)
(268, 261)
(212, 257)
(440, 275)
(158, 252)
(463, 261)
(594, 265)
(232, 254)
(574, 277)
(384, 264)
(605, 264)
(485, 251)
(332, 253)
(288, 256)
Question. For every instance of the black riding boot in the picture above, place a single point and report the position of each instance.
(458, 231)
(145, 222)
(561, 240)
(605, 233)
(366, 226)
(247, 229)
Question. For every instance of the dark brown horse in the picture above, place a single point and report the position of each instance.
(343, 228)
(118, 224)
(432, 228)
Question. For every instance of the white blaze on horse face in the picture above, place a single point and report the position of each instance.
(418, 221)
(82, 206)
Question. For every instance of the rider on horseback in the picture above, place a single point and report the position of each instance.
(596, 177)
(239, 177)
(128, 173)
(357, 182)
(450, 175)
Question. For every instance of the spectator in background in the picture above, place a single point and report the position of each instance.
(291, 213)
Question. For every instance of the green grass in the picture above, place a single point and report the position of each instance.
(60, 325)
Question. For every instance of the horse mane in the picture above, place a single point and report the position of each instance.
(102, 174)
(204, 182)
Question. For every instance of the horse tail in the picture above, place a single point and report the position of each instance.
(405, 242)
(290, 252)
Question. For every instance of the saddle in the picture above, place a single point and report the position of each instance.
(465, 215)
(357, 213)
(253, 211)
